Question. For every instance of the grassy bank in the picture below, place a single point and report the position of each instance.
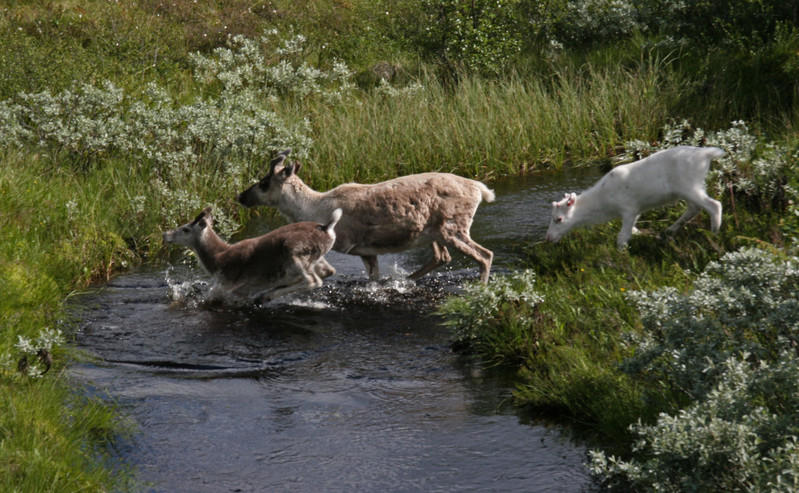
(55, 225)
(662, 350)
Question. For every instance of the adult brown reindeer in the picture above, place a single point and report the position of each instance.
(387, 217)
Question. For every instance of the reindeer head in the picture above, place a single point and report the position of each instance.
(189, 234)
(562, 215)
(268, 190)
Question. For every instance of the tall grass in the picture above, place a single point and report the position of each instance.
(58, 235)
(486, 128)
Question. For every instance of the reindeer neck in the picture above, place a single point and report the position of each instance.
(593, 206)
(208, 250)
(300, 202)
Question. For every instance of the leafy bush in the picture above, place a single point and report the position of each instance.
(747, 302)
(728, 349)
(271, 68)
(579, 22)
(741, 437)
(479, 35)
(497, 317)
(738, 23)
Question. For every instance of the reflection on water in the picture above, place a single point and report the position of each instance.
(351, 387)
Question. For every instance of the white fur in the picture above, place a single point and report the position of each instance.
(626, 191)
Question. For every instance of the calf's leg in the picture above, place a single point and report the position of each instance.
(304, 280)
(372, 269)
(323, 269)
(690, 213)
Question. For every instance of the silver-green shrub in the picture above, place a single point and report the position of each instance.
(27, 348)
(751, 167)
(188, 147)
(747, 302)
(273, 67)
(482, 309)
(729, 348)
(741, 437)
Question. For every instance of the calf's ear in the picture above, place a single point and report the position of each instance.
(201, 215)
(571, 200)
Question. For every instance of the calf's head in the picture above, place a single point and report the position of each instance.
(562, 217)
(190, 234)
(268, 190)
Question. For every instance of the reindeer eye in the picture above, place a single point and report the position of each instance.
(559, 220)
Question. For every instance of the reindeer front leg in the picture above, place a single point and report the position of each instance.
(372, 269)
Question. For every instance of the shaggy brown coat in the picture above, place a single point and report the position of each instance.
(387, 217)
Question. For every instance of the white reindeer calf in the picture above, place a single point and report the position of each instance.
(288, 259)
(626, 191)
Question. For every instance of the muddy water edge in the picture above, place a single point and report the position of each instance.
(352, 387)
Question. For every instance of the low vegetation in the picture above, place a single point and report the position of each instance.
(667, 352)
(120, 119)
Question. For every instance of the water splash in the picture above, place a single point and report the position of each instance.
(186, 290)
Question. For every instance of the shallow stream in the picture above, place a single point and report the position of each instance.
(352, 387)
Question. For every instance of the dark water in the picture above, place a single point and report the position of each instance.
(352, 387)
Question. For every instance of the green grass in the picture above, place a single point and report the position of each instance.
(53, 435)
(485, 128)
(566, 359)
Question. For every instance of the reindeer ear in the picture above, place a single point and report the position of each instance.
(291, 168)
(275, 162)
(285, 153)
(208, 219)
(201, 215)
(571, 200)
